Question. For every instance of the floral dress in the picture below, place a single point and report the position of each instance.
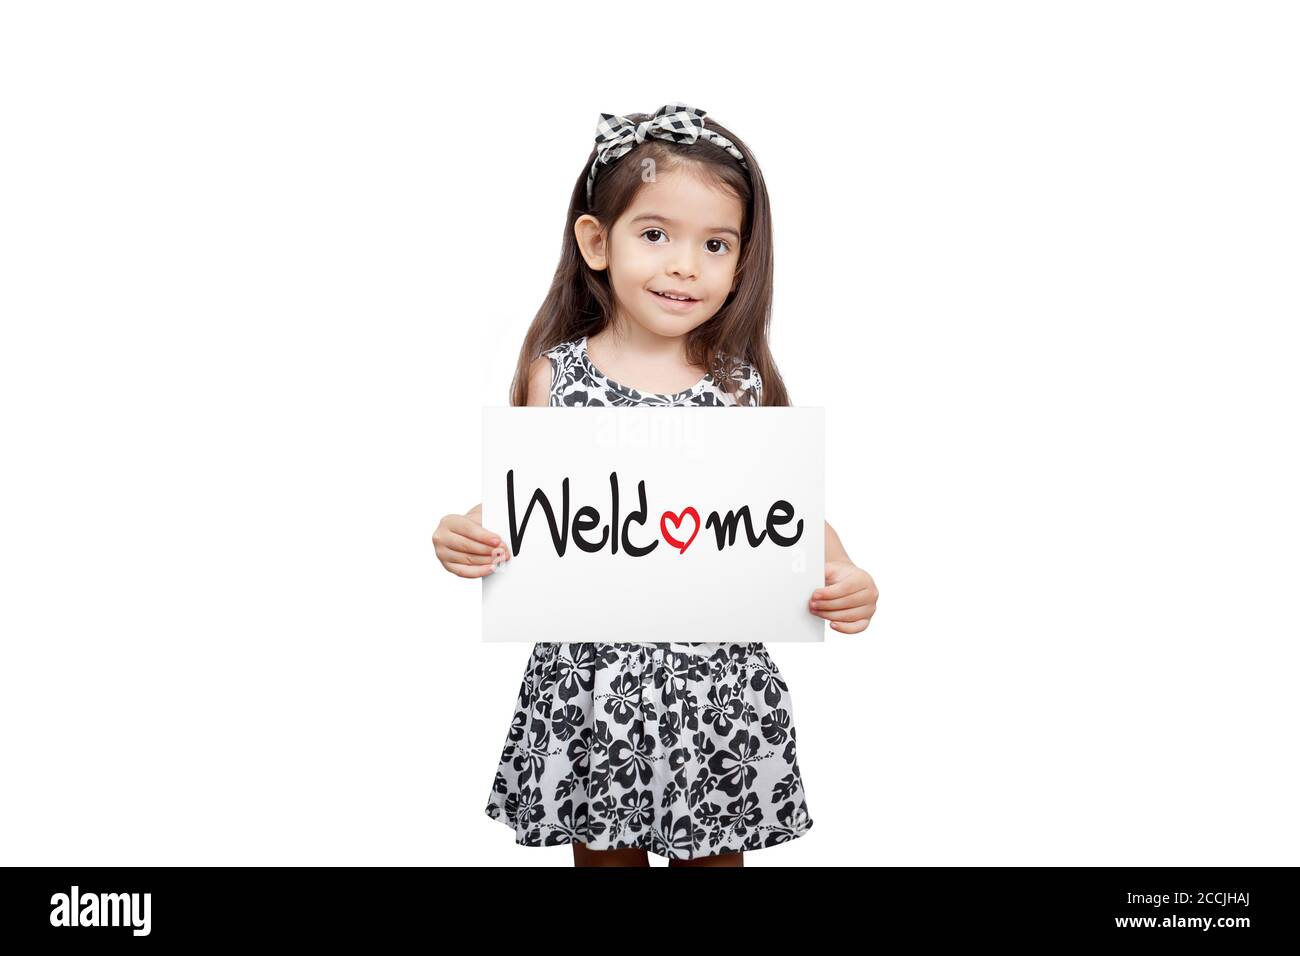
(681, 749)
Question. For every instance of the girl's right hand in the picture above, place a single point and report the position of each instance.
(465, 547)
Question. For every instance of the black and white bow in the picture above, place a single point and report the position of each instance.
(616, 135)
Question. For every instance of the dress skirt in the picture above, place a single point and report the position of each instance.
(683, 750)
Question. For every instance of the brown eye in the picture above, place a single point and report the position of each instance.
(721, 242)
(657, 232)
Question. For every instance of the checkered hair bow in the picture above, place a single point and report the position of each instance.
(617, 136)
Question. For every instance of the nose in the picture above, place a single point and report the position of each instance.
(683, 264)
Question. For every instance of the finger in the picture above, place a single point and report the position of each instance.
(470, 570)
(852, 627)
(448, 556)
(839, 589)
(460, 524)
(458, 542)
(493, 556)
(848, 614)
(849, 600)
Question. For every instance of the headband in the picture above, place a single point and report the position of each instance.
(617, 136)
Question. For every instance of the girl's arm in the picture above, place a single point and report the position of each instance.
(834, 547)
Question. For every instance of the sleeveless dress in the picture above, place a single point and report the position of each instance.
(681, 749)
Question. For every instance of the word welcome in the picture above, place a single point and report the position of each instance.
(101, 909)
(587, 519)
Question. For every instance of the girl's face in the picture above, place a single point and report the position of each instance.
(679, 236)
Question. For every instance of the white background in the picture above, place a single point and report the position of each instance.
(261, 264)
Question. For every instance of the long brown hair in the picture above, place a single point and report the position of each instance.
(580, 301)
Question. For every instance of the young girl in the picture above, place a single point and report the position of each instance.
(662, 297)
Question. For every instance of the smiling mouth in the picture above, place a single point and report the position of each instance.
(674, 298)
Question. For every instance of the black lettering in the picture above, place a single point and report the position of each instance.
(559, 536)
(785, 509)
(613, 521)
(628, 546)
(727, 527)
(586, 519)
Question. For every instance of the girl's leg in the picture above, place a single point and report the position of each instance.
(719, 859)
(583, 856)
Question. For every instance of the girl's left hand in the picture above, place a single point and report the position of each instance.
(849, 598)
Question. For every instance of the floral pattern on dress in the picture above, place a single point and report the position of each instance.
(684, 750)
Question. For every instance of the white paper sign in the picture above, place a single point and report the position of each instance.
(654, 524)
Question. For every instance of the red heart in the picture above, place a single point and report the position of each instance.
(677, 523)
